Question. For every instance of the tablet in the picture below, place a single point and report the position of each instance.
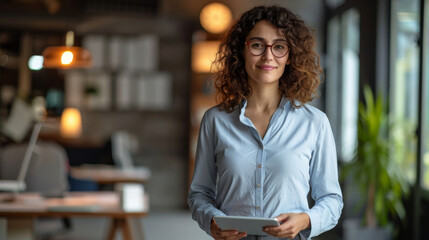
(250, 225)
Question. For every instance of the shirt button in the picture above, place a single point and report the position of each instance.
(259, 165)
(258, 185)
(258, 207)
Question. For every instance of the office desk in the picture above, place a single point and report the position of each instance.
(29, 206)
(111, 175)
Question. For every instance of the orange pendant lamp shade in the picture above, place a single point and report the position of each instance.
(67, 56)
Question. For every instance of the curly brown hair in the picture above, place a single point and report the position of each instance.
(301, 77)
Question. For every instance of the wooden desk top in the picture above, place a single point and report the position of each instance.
(88, 204)
(111, 175)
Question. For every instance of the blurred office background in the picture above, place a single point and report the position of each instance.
(150, 78)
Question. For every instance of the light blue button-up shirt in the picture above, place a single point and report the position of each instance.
(237, 173)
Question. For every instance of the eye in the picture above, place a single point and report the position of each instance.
(256, 45)
(280, 46)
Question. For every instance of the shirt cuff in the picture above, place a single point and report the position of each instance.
(315, 228)
(208, 219)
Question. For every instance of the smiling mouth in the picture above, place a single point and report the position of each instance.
(266, 68)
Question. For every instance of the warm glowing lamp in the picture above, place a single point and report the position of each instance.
(68, 56)
(203, 56)
(215, 17)
(71, 123)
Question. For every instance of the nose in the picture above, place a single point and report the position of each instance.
(268, 54)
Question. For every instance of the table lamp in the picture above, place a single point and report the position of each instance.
(203, 56)
(71, 123)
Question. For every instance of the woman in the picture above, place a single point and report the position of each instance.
(262, 149)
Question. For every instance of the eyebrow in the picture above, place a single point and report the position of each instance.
(262, 39)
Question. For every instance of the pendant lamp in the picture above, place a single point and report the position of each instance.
(67, 56)
(216, 17)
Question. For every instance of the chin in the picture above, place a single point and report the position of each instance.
(267, 81)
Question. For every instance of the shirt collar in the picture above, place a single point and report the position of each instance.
(284, 103)
(243, 118)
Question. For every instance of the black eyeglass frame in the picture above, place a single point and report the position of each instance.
(266, 46)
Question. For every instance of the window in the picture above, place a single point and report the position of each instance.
(342, 79)
(404, 82)
(425, 102)
(350, 82)
(332, 77)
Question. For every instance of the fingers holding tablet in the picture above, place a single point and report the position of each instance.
(291, 225)
(218, 233)
(249, 225)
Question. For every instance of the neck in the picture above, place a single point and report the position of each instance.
(264, 98)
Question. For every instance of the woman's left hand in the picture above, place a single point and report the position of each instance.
(290, 225)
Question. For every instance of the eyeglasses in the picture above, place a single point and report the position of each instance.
(257, 48)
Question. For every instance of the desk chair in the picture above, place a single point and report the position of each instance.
(123, 145)
(47, 174)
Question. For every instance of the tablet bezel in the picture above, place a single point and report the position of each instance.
(250, 225)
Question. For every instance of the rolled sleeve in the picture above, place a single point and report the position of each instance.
(202, 192)
(324, 183)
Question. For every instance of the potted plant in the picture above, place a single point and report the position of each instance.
(91, 93)
(376, 172)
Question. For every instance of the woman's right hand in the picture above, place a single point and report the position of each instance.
(218, 234)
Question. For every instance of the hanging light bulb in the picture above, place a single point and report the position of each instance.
(67, 56)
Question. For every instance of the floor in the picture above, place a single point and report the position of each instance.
(158, 225)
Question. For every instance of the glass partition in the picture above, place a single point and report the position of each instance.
(333, 84)
(425, 102)
(404, 84)
(342, 80)
(350, 82)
